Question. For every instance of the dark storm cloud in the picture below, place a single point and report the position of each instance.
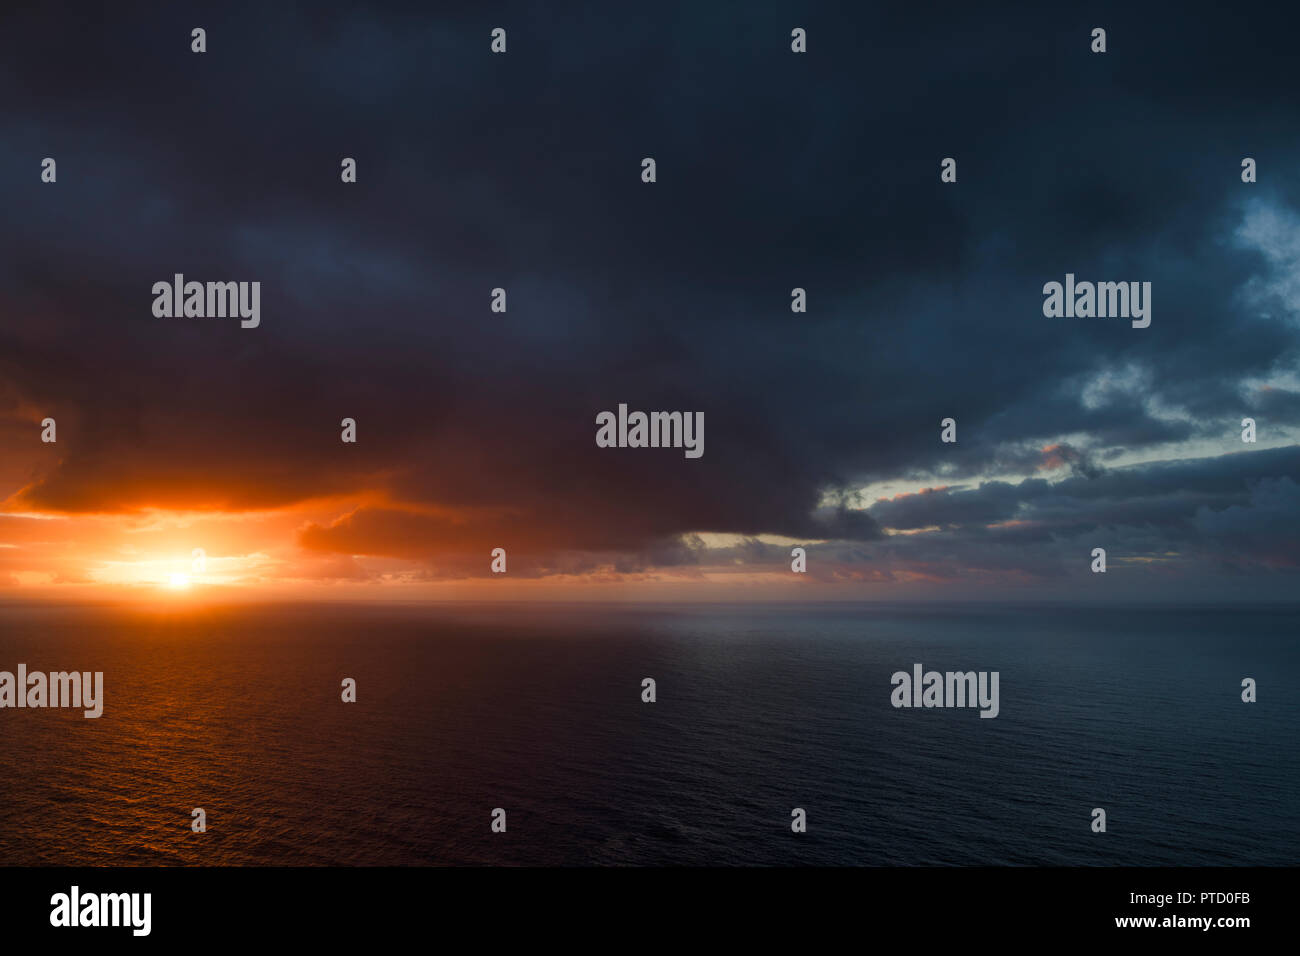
(1196, 517)
(522, 172)
(1162, 494)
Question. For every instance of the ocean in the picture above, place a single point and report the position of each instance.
(537, 710)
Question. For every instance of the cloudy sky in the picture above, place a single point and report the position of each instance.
(774, 170)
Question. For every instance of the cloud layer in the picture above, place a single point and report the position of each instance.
(476, 429)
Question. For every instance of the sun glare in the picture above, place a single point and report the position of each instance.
(178, 582)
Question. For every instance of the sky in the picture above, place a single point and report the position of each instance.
(774, 171)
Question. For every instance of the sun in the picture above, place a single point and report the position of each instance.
(178, 582)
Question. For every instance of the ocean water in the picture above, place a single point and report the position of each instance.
(537, 710)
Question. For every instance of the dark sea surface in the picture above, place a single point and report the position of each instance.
(538, 710)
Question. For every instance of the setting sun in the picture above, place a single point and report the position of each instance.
(178, 582)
